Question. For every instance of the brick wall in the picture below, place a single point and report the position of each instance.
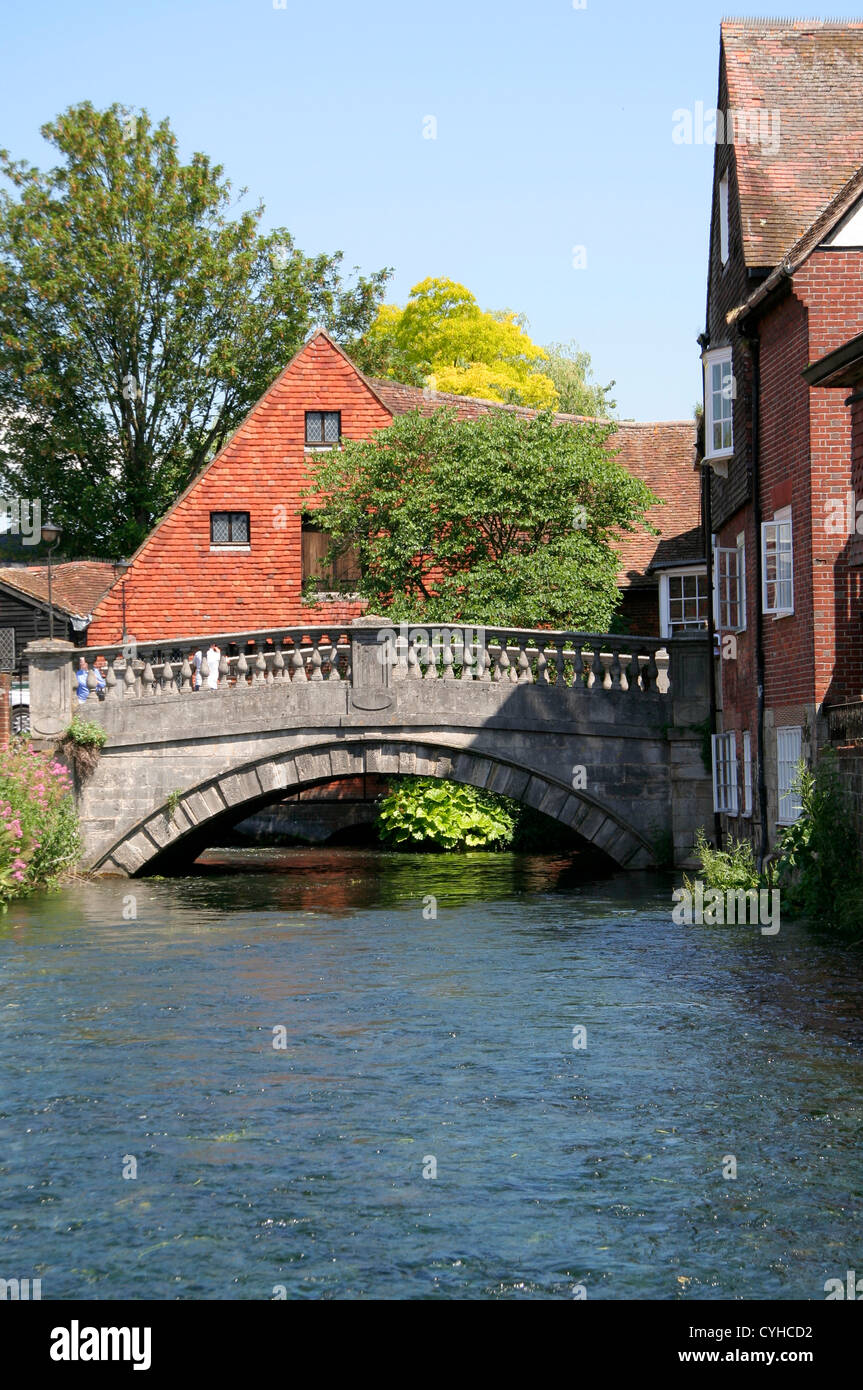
(639, 610)
(178, 586)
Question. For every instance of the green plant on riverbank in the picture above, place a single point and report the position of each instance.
(82, 743)
(431, 813)
(38, 824)
(818, 866)
(732, 868)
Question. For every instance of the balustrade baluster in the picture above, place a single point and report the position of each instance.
(315, 662)
(447, 674)
(615, 672)
(167, 674)
(542, 677)
(242, 672)
(112, 690)
(278, 663)
(260, 674)
(148, 680)
(652, 672)
(400, 665)
(129, 679)
(431, 656)
(525, 674)
(298, 670)
(224, 672)
(185, 676)
(334, 672)
(413, 672)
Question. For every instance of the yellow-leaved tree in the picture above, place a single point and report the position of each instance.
(444, 340)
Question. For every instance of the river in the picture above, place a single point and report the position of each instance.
(342, 1073)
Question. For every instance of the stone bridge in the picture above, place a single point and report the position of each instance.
(602, 733)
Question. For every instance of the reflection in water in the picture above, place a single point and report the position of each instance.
(138, 1020)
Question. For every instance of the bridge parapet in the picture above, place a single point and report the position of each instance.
(580, 725)
(370, 653)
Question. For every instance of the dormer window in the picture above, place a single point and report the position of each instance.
(723, 218)
(323, 428)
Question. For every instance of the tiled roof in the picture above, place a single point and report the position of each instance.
(824, 224)
(810, 72)
(76, 586)
(661, 455)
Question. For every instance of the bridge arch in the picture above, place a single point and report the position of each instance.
(185, 826)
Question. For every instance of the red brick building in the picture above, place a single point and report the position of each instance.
(234, 552)
(785, 288)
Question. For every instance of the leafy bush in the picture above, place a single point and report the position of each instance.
(426, 812)
(818, 869)
(38, 824)
(86, 733)
(732, 868)
(82, 743)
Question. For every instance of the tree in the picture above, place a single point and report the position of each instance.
(570, 370)
(141, 316)
(443, 339)
(496, 520)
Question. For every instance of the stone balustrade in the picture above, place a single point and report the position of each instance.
(371, 653)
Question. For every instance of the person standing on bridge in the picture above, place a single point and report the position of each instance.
(214, 654)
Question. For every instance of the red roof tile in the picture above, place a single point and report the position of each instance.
(810, 72)
(76, 586)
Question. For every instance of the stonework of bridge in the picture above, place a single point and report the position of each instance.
(602, 733)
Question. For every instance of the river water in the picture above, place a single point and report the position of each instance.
(137, 1031)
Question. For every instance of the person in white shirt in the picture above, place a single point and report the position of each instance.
(214, 654)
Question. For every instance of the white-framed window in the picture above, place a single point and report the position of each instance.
(777, 567)
(725, 773)
(729, 568)
(723, 218)
(683, 601)
(789, 751)
(718, 404)
(747, 774)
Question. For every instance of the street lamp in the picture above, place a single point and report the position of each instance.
(121, 568)
(51, 536)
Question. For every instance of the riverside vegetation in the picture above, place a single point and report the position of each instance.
(38, 825)
(817, 864)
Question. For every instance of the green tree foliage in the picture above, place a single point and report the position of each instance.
(425, 812)
(441, 338)
(141, 316)
(515, 517)
(570, 370)
(819, 871)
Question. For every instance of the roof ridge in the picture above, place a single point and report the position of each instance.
(535, 410)
(797, 22)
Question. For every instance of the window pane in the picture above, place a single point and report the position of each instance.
(331, 427)
(314, 427)
(240, 528)
(220, 530)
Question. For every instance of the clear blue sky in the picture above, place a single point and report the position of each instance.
(553, 131)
